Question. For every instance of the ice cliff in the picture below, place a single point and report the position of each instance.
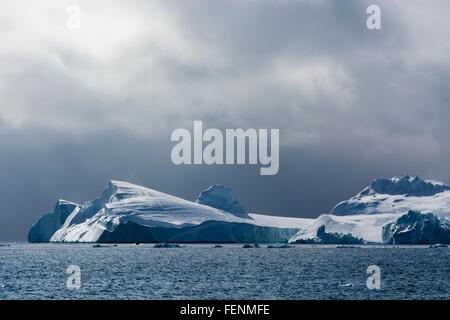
(417, 228)
(49, 223)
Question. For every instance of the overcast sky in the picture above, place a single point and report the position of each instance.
(80, 107)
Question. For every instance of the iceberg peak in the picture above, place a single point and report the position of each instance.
(121, 190)
(222, 198)
(50, 222)
(62, 202)
(406, 185)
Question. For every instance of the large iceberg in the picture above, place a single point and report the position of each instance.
(395, 210)
(128, 213)
(382, 203)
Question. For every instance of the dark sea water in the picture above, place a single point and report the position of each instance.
(38, 271)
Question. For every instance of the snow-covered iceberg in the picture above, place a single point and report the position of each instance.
(398, 195)
(130, 213)
(417, 228)
(324, 237)
(381, 203)
(125, 212)
(367, 227)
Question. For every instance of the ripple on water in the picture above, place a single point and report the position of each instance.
(38, 271)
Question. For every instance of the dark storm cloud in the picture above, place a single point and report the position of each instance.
(80, 107)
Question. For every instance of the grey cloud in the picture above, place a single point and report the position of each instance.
(77, 109)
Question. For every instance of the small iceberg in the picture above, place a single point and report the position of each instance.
(347, 247)
(247, 246)
(438, 245)
(346, 285)
(278, 246)
(103, 246)
(166, 245)
(323, 237)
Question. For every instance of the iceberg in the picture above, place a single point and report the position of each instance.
(398, 195)
(249, 246)
(438, 245)
(104, 246)
(417, 228)
(166, 245)
(366, 227)
(279, 246)
(129, 213)
(346, 246)
(323, 237)
(393, 211)
(382, 203)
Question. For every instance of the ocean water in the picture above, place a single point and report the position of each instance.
(38, 271)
